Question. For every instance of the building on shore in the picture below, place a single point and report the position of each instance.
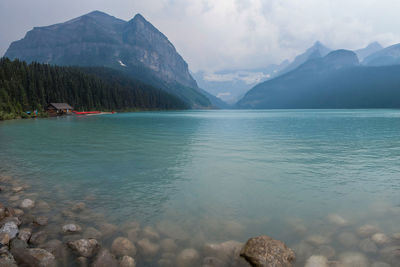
(58, 109)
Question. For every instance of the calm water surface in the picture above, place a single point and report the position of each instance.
(218, 175)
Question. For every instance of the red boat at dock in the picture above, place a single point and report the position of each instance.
(86, 112)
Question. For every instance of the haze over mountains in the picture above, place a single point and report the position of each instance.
(232, 85)
(139, 51)
(334, 81)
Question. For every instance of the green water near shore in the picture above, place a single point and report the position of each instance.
(212, 176)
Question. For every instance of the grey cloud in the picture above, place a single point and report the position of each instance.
(213, 35)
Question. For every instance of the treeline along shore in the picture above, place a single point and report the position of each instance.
(28, 87)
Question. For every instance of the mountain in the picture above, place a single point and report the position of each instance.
(368, 50)
(385, 57)
(26, 87)
(318, 50)
(231, 85)
(335, 81)
(97, 39)
(216, 101)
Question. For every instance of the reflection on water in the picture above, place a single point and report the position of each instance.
(309, 178)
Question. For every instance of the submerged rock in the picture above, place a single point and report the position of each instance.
(17, 189)
(396, 236)
(263, 251)
(172, 230)
(326, 251)
(391, 255)
(167, 255)
(188, 257)
(130, 225)
(27, 204)
(337, 219)
(379, 264)
(127, 261)
(38, 238)
(42, 205)
(72, 237)
(214, 262)
(353, 259)
(71, 228)
(317, 261)
(168, 245)
(84, 247)
(348, 239)
(380, 238)
(14, 198)
(82, 262)
(233, 228)
(165, 263)
(78, 207)
(2, 213)
(58, 249)
(147, 248)
(18, 244)
(10, 228)
(41, 220)
(27, 219)
(7, 259)
(123, 247)
(150, 233)
(228, 251)
(4, 239)
(297, 225)
(92, 232)
(317, 240)
(43, 257)
(368, 246)
(367, 230)
(303, 250)
(132, 234)
(105, 259)
(18, 212)
(107, 229)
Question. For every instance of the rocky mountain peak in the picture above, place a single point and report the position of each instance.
(341, 58)
(98, 39)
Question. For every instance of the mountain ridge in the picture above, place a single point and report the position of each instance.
(385, 57)
(98, 39)
(335, 81)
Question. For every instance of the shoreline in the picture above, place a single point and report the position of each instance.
(33, 233)
(33, 228)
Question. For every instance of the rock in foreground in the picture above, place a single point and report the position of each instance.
(84, 247)
(263, 251)
(123, 247)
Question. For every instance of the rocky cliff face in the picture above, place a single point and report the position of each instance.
(97, 39)
(153, 49)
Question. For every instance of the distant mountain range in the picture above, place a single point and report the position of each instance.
(231, 85)
(368, 50)
(384, 57)
(135, 47)
(316, 51)
(334, 81)
(319, 77)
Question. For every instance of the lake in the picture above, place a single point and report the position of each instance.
(310, 178)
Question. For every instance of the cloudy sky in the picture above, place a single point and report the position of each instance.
(226, 34)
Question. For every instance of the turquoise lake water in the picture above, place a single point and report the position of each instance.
(218, 175)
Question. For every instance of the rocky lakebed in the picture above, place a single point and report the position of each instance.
(35, 232)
